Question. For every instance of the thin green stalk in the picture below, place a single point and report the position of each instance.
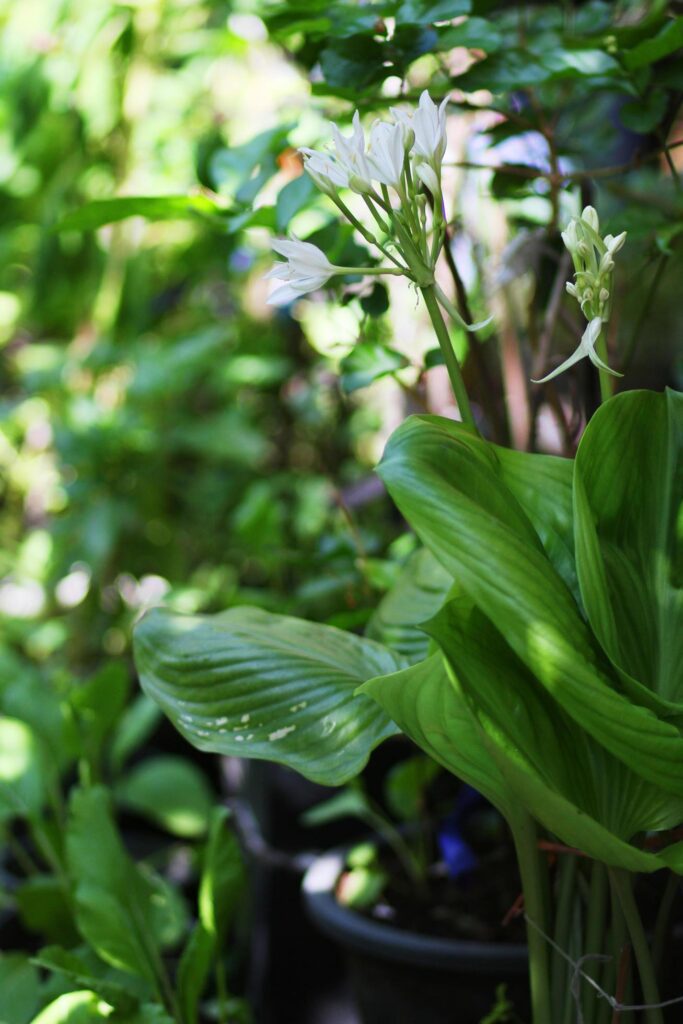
(595, 935)
(566, 873)
(621, 955)
(450, 358)
(606, 379)
(664, 919)
(622, 884)
(361, 228)
(533, 871)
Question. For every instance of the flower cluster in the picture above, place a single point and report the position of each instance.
(404, 156)
(593, 259)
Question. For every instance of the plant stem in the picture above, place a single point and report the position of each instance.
(563, 921)
(622, 884)
(534, 883)
(606, 379)
(449, 355)
(663, 919)
(595, 932)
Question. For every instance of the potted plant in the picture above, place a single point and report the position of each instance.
(552, 680)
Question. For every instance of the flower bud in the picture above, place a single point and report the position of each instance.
(590, 215)
(571, 289)
(606, 264)
(428, 177)
(570, 237)
(604, 295)
(615, 244)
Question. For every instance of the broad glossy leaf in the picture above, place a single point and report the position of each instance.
(434, 713)
(253, 684)
(563, 777)
(446, 483)
(417, 595)
(170, 791)
(628, 497)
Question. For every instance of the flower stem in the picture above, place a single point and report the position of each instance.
(450, 358)
(606, 379)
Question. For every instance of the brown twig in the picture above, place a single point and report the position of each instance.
(557, 177)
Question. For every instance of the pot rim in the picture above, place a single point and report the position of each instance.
(381, 939)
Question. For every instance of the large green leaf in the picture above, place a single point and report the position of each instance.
(266, 686)
(628, 498)
(447, 483)
(569, 783)
(417, 595)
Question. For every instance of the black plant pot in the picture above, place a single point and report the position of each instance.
(402, 977)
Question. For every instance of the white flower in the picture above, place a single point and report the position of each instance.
(306, 268)
(586, 348)
(429, 125)
(387, 152)
(326, 173)
(351, 156)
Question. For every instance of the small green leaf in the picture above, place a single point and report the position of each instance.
(377, 302)
(367, 362)
(44, 908)
(668, 40)
(406, 785)
(135, 726)
(295, 195)
(252, 684)
(170, 791)
(354, 62)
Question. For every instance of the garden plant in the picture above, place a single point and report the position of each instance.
(553, 680)
(476, 271)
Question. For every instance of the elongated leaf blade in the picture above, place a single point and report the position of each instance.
(580, 792)
(628, 499)
(445, 482)
(253, 684)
